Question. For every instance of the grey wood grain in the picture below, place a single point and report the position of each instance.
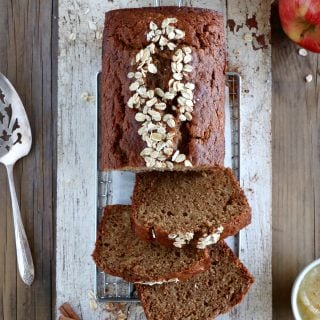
(296, 166)
(25, 57)
(249, 19)
(7, 248)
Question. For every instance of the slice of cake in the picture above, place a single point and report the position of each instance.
(120, 253)
(205, 296)
(176, 208)
(163, 89)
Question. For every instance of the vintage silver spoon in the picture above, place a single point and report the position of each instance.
(15, 143)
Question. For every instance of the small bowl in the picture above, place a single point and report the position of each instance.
(296, 286)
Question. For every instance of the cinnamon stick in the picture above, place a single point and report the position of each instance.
(68, 312)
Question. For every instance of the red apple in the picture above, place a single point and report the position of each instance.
(300, 20)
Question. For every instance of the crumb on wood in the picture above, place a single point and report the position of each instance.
(117, 310)
(255, 178)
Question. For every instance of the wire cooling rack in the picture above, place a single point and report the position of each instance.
(234, 84)
(114, 289)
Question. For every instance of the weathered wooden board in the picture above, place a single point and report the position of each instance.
(25, 57)
(80, 27)
(249, 53)
(296, 166)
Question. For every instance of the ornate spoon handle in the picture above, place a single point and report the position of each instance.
(24, 258)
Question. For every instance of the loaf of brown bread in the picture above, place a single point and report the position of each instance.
(120, 253)
(176, 208)
(163, 86)
(205, 296)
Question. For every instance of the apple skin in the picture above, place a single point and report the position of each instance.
(300, 20)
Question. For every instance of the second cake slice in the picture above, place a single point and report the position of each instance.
(176, 208)
(205, 296)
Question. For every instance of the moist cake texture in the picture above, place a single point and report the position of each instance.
(175, 208)
(205, 296)
(120, 253)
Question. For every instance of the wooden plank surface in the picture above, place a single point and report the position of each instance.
(25, 57)
(296, 166)
(249, 53)
(295, 161)
(80, 27)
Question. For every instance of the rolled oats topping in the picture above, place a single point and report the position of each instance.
(181, 239)
(210, 239)
(152, 283)
(155, 112)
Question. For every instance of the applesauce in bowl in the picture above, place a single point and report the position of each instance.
(305, 296)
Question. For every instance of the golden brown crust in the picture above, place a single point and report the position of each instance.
(202, 139)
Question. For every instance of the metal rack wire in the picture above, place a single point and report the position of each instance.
(234, 85)
(158, 3)
(114, 289)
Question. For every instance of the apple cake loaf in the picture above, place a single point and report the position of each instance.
(163, 87)
(120, 253)
(178, 208)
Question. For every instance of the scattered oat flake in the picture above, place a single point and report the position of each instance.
(175, 155)
(92, 25)
(98, 35)
(309, 78)
(91, 294)
(93, 304)
(187, 163)
(248, 37)
(180, 158)
(72, 36)
(110, 306)
(152, 68)
(122, 307)
(121, 315)
(303, 52)
(87, 97)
